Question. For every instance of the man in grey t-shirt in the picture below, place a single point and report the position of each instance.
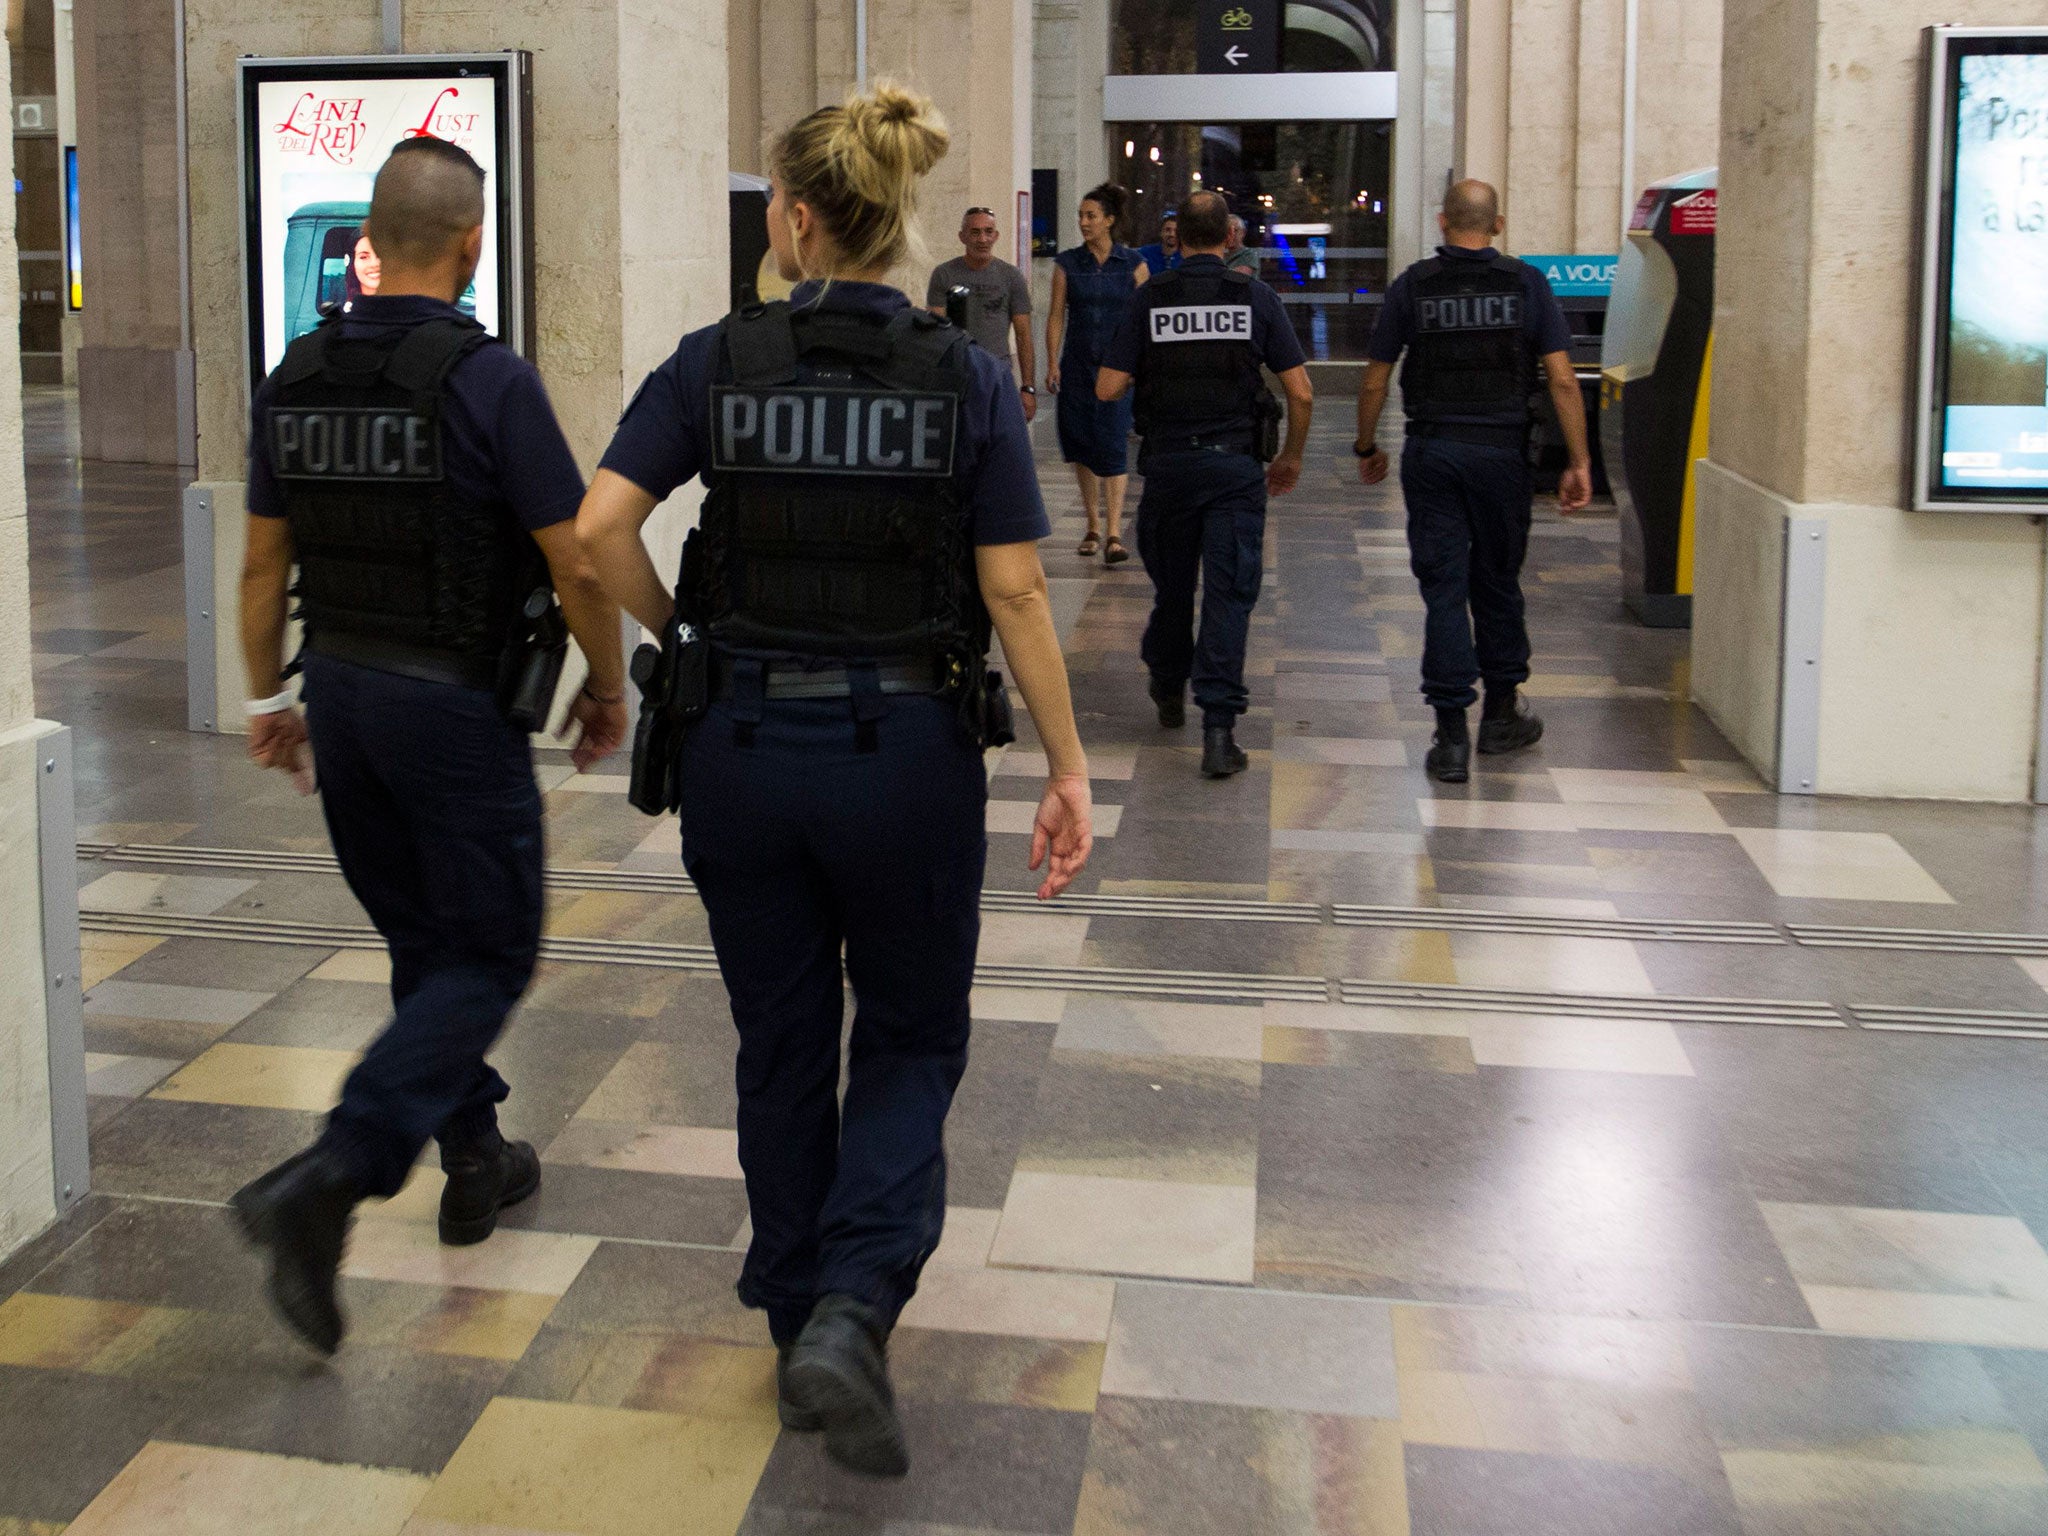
(999, 302)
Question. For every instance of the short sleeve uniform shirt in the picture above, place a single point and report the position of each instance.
(500, 440)
(1273, 340)
(663, 440)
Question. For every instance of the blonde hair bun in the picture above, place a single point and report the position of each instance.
(857, 167)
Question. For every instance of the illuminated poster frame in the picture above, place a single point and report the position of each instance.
(1942, 470)
(74, 254)
(506, 278)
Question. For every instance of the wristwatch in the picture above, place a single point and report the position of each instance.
(1365, 453)
(1026, 389)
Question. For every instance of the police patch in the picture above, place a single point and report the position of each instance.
(1202, 322)
(793, 430)
(1470, 312)
(346, 442)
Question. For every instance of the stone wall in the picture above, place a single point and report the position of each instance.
(1931, 641)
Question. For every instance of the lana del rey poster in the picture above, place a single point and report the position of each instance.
(318, 144)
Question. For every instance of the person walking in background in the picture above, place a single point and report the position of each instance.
(1092, 284)
(999, 298)
(1194, 343)
(1238, 256)
(1475, 326)
(1163, 254)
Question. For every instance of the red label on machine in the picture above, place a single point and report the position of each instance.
(1646, 211)
(1695, 215)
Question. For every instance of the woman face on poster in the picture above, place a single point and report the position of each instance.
(369, 271)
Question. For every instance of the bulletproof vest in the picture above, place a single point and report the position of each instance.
(394, 564)
(1469, 357)
(835, 529)
(1197, 364)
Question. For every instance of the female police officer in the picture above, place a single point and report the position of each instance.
(872, 507)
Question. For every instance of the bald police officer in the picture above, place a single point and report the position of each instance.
(1475, 325)
(1194, 341)
(414, 470)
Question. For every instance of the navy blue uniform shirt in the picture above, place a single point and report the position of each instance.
(500, 439)
(1273, 340)
(1542, 320)
(663, 439)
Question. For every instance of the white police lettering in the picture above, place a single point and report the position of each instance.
(1470, 312)
(353, 443)
(1202, 322)
(804, 431)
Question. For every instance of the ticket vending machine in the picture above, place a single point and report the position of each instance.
(1656, 370)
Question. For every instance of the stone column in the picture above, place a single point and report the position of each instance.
(1913, 659)
(135, 368)
(1539, 109)
(630, 214)
(42, 1061)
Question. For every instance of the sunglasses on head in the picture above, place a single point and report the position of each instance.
(973, 211)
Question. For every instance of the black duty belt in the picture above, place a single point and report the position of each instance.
(420, 662)
(1482, 433)
(1199, 442)
(789, 681)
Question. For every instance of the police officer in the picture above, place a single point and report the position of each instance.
(1194, 340)
(1475, 325)
(872, 507)
(413, 468)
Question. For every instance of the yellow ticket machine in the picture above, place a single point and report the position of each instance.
(1656, 370)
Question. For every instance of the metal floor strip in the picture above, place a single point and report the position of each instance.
(665, 882)
(1939, 941)
(1607, 1005)
(1200, 986)
(1465, 920)
(1953, 1021)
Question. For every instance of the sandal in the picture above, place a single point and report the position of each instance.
(1089, 546)
(1114, 553)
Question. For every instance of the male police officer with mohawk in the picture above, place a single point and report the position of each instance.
(1194, 341)
(414, 470)
(1475, 325)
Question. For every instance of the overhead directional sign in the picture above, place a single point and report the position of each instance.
(1238, 37)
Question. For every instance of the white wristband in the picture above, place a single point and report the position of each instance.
(276, 704)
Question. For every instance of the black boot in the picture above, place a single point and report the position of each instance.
(1221, 755)
(794, 1416)
(839, 1371)
(1450, 751)
(1172, 701)
(1507, 725)
(484, 1179)
(300, 1211)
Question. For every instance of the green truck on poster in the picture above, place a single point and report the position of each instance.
(319, 244)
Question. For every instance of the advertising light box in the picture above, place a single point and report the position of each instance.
(1981, 424)
(315, 132)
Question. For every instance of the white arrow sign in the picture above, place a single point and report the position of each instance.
(1236, 55)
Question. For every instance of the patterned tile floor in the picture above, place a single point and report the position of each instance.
(1305, 1267)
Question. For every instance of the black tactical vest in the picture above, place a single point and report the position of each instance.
(1198, 364)
(396, 570)
(1469, 358)
(835, 531)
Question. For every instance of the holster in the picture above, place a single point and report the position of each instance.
(1268, 414)
(674, 679)
(532, 669)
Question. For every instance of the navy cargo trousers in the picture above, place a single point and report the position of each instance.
(1468, 534)
(1203, 514)
(433, 811)
(805, 847)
